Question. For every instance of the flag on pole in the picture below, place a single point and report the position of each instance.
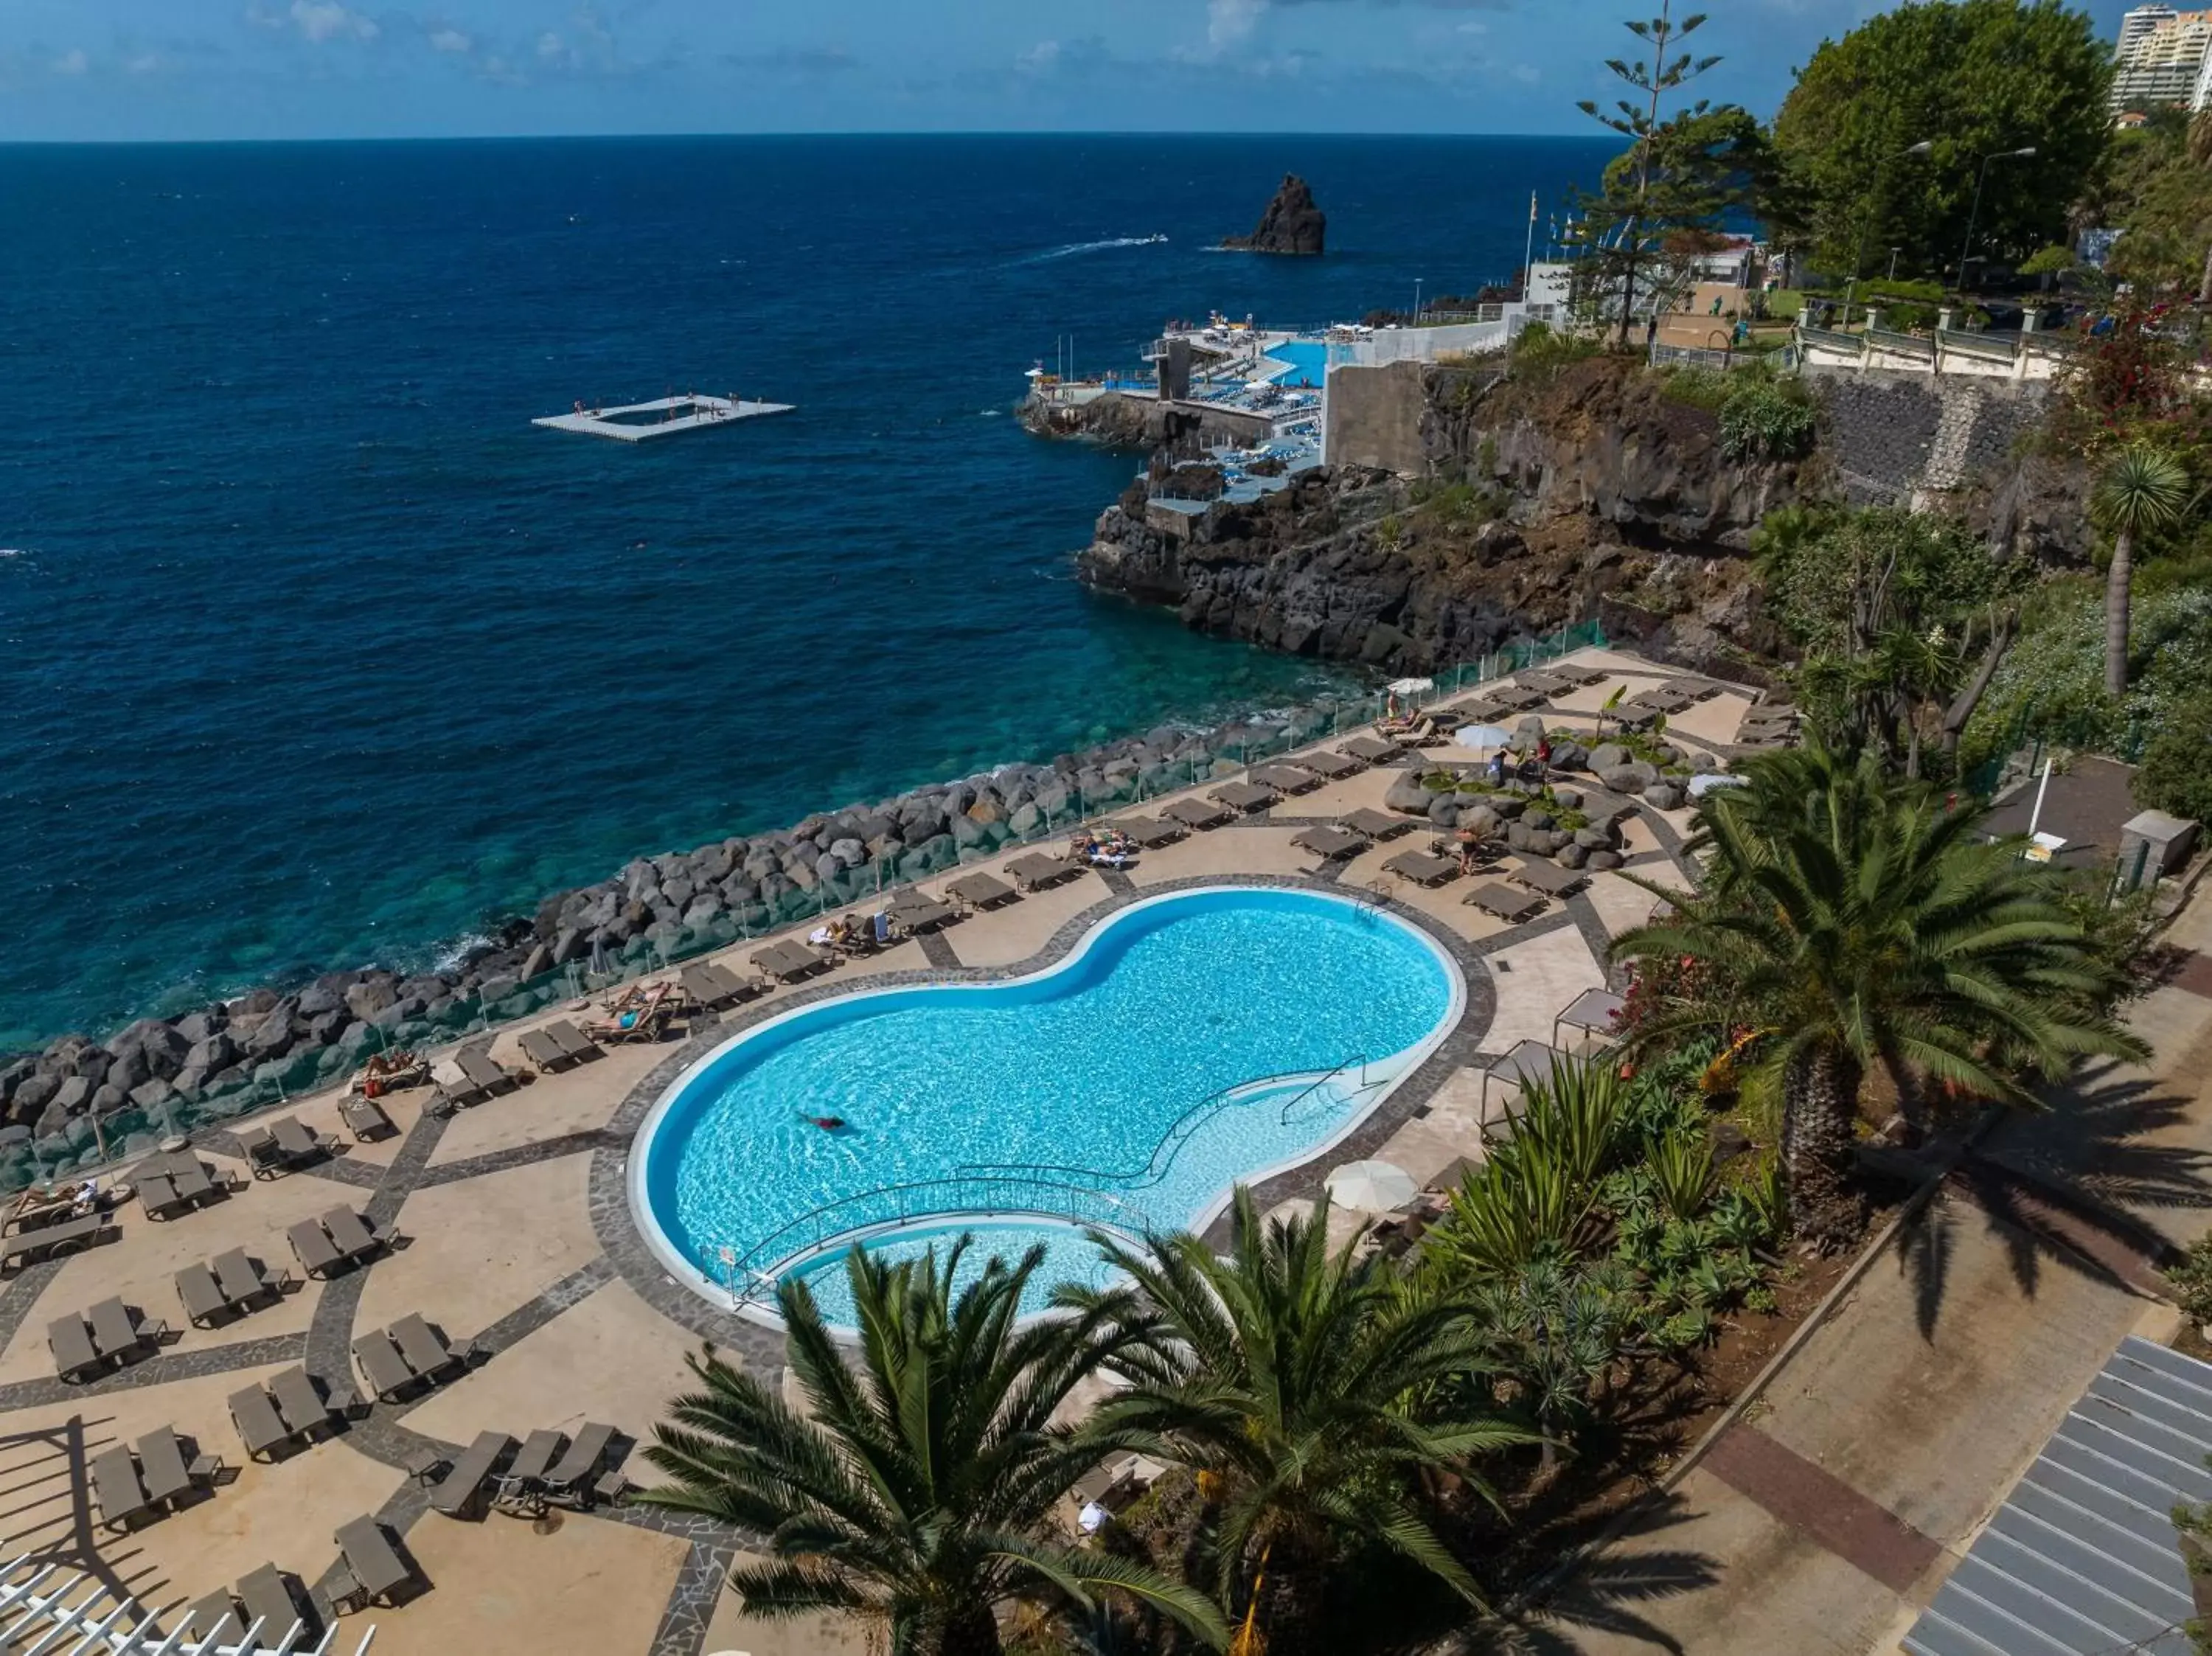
(1531, 207)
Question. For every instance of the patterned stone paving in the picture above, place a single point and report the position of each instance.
(381, 1431)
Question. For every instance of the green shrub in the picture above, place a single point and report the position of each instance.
(1539, 352)
(1698, 388)
(2176, 773)
(1764, 419)
(2191, 1282)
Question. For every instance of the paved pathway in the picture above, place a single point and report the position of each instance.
(1825, 1519)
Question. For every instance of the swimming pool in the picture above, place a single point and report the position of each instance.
(1187, 1042)
(1309, 360)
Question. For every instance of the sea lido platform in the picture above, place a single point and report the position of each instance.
(663, 416)
(491, 1251)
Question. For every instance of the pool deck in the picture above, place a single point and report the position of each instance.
(515, 1228)
(710, 411)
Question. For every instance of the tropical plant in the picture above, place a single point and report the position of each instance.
(1309, 1393)
(2144, 490)
(1865, 922)
(1682, 1170)
(1535, 1190)
(1763, 420)
(1555, 1331)
(914, 1493)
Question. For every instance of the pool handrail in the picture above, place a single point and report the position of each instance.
(1179, 1131)
(1000, 1193)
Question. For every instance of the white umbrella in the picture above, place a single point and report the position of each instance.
(1372, 1186)
(1707, 782)
(1411, 686)
(1481, 735)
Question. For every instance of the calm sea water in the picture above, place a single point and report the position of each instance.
(314, 650)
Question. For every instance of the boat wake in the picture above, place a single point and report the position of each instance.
(1111, 242)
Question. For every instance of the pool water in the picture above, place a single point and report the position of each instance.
(1309, 360)
(1189, 1041)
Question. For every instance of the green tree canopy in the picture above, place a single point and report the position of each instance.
(1973, 79)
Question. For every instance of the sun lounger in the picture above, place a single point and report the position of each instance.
(70, 1341)
(50, 1241)
(117, 1333)
(1285, 779)
(1201, 817)
(201, 1295)
(1149, 833)
(786, 962)
(169, 1475)
(312, 1248)
(1421, 868)
(1695, 689)
(522, 1487)
(193, 1182)
(260, 1428)
(115, 1485)
(1369, 749)
(1529, 1060)
(269, 1602)
(572, 1040)
(1375, 824)
(1508, 905)
(640, 1015)
(365, 1117)
(702, 986)
(213, 1622)
(1246, 798)
(1329, 767)
(570, 1480)
(1544, 683)
(281, 1146)
(1513, 698)
(372, 1568)
(157, 1195)
(1577, 674)
(1665, 701)
(1549, 879)
(1035, 872)
(482, 1070)
(242, 1281)
(381, 1364)
(427, 1354)
(982, 891)
(302, 1407)
(456, 1494)
(1331, 845)
(350, 1234)
(916, 917)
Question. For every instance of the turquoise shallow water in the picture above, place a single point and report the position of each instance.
(1177, 1053)
(314, 651)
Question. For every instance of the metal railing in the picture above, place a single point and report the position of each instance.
(755, 1271)
(1283, 1116)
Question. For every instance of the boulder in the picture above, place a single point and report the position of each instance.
(1479, 819)
(849, 852)
(1665, 796)
(1530, 725)
(106, 1099)
(1443, 810)
(1608, 755)
(323, 997)
(1632, 778)
(1666, 753)
(73, 1096)
(128, 1070)
(273, 1035)
(1291, 225)
(1567, 798)
(152, 1096)
(1507, 807)
(35, 1094)
(1571, 855)
(1595, 839)
(1407, 795)
(366, 999)
(535, 963)
(1537, 819)
(322, 1031)
(704, 912)
(1601, 859)
(1570, 756)
(1702, 764)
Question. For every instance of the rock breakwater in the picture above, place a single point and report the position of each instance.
(160, 1076)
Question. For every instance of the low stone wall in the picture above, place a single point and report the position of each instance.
(156, 1076)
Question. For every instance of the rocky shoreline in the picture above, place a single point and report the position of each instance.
(158, 1075)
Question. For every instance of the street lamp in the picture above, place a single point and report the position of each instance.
(1417, 301)
(1983, 178)
(1858, 254)
(1893, 252)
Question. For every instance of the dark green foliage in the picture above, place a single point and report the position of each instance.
(1766, 419)
(1973, 79)
(1540, 352)
(2176, 772)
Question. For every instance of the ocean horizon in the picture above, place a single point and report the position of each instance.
(317, 654)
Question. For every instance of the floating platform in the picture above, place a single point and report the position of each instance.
(662, 417)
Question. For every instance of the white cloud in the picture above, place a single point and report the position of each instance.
(450, 40)
(548, 45)
(1039, 58)
(326, 19)
(1228, 21)
(146, 62)
(1527, 73)
(72, 62)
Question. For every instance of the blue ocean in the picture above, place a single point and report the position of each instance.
(314, 652)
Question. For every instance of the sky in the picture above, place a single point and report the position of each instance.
(170, 70)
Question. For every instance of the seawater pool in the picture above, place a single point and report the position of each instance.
(1188, 1043)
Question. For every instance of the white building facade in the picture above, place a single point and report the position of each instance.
(2163, 58)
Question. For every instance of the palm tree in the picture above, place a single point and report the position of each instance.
(1308, 1392)
(915, 1494)
(2143, 490)
(1858, 921)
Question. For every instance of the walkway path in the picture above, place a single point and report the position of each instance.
(1828, 1516)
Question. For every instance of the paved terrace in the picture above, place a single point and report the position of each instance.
(513, 1233)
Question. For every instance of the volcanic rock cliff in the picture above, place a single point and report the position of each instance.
(1292, 224)
(1512, 505)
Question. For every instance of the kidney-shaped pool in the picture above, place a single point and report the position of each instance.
(1188, 1043)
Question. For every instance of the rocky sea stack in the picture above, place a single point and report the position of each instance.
(1292, 224)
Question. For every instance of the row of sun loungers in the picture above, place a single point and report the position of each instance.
(289, 1411)
(408, 1354)
(283, 1145)
(231, 1283)
(561, 1045)
(549, 1469)
(26, 1248)
(264, 1607)
(170, 1185)
(333, 1240)
(150, 1477)
(85, 1343)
